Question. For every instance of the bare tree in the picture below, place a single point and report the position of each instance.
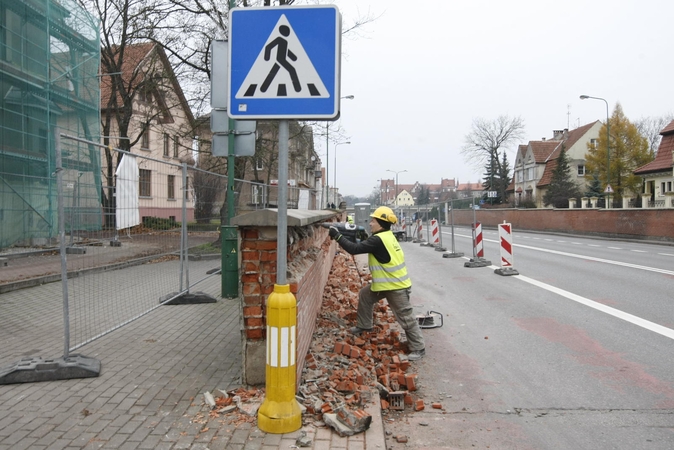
(650, 128)
(487, 141)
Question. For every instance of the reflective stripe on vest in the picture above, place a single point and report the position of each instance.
(392, 275)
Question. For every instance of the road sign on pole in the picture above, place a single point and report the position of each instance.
(284, 62)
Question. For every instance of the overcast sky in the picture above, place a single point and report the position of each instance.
(424, 70)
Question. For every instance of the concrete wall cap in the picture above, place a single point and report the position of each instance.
(296, 217)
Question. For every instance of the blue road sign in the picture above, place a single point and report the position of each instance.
(284, 62)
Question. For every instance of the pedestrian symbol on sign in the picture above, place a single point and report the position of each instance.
(608, 190)
(265, 78)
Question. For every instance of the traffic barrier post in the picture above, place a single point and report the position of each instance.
(506, 239)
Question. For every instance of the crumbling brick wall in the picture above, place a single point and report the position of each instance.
(310, 254)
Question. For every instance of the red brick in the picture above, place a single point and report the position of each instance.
(252, 311)
(252, 300)
(265, 245)
(436, 405)
(250, 278)
(250, 266)
(255, 334)
(253, 322)
(250, 256)
(251, 289)
(419, 405)
(267, 256)
(339, 345)
(410, 382)
(250, 233)
(384, 404)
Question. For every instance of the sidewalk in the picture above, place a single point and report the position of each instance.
(150, 389)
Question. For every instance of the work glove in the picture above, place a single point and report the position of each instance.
(334, 234)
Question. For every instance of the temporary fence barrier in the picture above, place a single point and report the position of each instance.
(124, 243)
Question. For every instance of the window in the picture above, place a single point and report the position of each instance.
(171, 184)
(145, 140)
(258, 164)
(144, 180)
(581, 170)
(176, 146)
(187, 190)
(166, 144)
(593, 143)
(665, 186)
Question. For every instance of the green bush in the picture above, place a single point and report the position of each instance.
(158, 223)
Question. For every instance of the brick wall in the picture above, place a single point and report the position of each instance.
(310, 254)
(654, 224)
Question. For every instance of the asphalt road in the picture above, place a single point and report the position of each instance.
(576, 352)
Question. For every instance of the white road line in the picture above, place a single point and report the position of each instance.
(665, 254)
(589, 258)
(615, 248)
(643, 323)
(639, 251)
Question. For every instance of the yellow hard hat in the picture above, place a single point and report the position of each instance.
(384, 213)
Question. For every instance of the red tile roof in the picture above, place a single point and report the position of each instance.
(664, 160)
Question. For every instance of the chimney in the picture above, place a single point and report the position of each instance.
(557, 134)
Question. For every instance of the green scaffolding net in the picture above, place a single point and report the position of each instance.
(49, 66)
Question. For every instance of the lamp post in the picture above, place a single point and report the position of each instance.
(608, 148)
(400, 171)
(334, 186)
(327, 153)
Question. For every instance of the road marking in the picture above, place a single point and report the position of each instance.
(589, 258)
(643, 323)
(665, 254)
(639, 251)
(615, 248)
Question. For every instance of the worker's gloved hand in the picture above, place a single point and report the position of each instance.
(334, 233)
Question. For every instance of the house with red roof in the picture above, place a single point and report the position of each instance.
(536, 161)
(160, 129)
(658, 175)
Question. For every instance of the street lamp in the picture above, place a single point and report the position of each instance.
(335, 178)
(400, 171)
(608, 148)
(327, 152)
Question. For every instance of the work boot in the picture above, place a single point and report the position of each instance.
(416, 355)
(357, 331)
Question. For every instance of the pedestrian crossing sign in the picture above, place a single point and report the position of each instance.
(284, 62)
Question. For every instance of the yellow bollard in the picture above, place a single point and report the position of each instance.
(280, 412)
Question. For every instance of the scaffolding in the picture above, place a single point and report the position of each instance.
(49, 66)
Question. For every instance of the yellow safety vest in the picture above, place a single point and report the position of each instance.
(392, 275)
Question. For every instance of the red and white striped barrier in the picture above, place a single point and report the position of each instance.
(477, 240)
(419, 235)
(505, 233)
(506, 237)
(435, 232)
(404, 226)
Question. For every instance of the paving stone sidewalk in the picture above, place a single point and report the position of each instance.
(154, 372)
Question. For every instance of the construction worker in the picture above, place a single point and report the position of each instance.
(389, 279)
